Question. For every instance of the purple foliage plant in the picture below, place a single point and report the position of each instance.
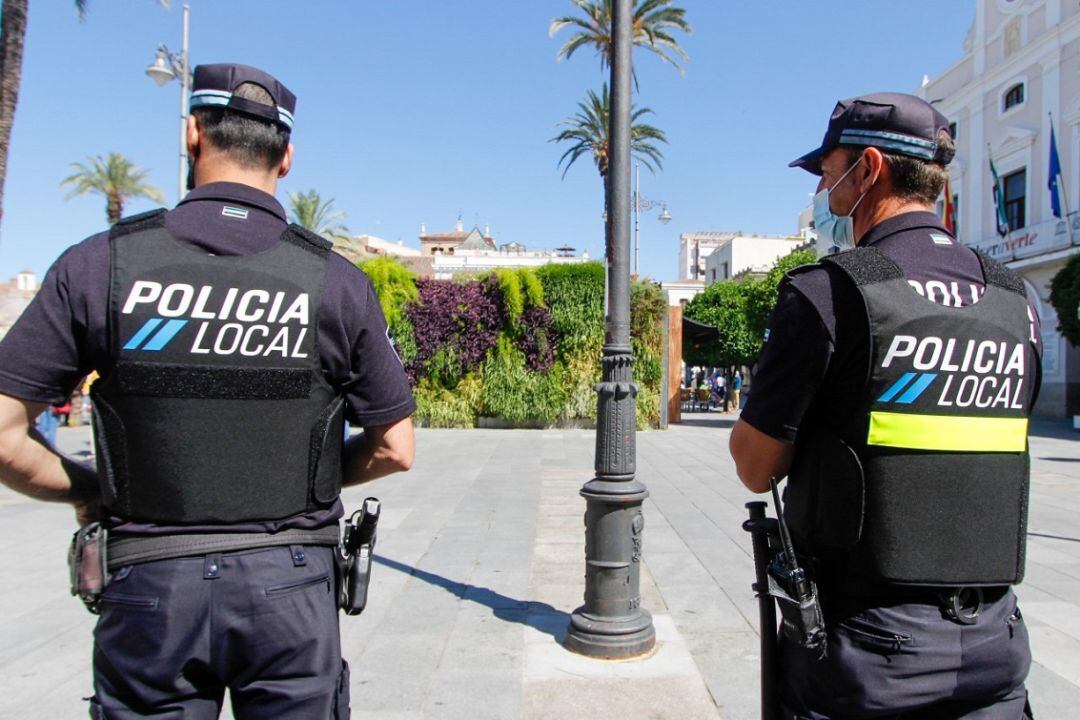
(461, 318)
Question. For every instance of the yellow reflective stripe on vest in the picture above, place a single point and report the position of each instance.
(948, 432)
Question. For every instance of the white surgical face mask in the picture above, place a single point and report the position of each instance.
(838, 230)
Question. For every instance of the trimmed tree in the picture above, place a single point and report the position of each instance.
(1065, 297)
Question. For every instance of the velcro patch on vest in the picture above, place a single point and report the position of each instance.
(216, 383)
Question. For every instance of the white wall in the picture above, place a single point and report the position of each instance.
(745, 253)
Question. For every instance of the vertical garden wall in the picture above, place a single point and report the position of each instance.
(519, 347)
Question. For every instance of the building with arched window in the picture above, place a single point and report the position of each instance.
(1020, 64)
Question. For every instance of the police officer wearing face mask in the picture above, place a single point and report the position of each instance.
(231, 348)
(893, 392)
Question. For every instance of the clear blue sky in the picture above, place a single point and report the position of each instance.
(415, 110)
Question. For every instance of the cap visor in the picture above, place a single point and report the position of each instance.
(810, 162)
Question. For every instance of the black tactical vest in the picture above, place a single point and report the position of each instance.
(216, 410)
(928, 484)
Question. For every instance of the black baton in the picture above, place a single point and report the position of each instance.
(760, 527)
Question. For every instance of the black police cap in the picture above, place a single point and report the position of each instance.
(214, 86)
(894, 122)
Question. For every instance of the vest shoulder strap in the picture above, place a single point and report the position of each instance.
(865, 266)
(149, 220)
(1000, 276)
(304, 238)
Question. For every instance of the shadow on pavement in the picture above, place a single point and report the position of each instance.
(1053, 537)
(710, 419)
(537, 615)
(1048, 427)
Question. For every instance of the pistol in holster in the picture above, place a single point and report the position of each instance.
(88, 565)
(358, 547)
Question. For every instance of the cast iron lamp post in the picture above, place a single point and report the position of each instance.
(644, 204)
(170, 66)
(612, 623)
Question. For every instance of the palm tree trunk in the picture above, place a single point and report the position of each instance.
(114, 208)
(12, 36)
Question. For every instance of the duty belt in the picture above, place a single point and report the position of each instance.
(132, 550)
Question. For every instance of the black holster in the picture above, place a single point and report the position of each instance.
(801, 620)
(88, 565)
(358, 548)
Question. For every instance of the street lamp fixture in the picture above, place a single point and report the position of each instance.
(644, 204)
(168, 66)
(160, 71)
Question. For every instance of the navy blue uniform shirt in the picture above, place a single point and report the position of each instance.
(816, 355)
(61, 336)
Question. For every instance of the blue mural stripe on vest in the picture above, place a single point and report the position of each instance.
(144, 332)
(896, 387)
(912, 393)
(165, 334)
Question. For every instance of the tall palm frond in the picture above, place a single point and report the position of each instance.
(311, 212)
(653, 26)
(116, 178)
(587, 131)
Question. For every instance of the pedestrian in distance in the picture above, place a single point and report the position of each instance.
(231, 348)
(894, 392)
(736, 389)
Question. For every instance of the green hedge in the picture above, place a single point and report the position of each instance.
(503, 386)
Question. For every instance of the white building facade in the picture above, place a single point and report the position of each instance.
(680, 292)
(694, 250)
(747, 253)
(470, 261)
(467, 252)
(1021, 63)
(14, 297)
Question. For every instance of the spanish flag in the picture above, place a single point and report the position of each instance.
(948, 210)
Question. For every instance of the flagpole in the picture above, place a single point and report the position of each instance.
(1063, 193)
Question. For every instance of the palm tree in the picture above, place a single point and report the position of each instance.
(12, 38)
(652, 26)
(115, 177)
(310, 212)
(587, 130)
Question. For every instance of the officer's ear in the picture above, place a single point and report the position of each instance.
(873, 164)
(286, 161)
(194, 136)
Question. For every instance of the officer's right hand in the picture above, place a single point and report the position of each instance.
(88, 511)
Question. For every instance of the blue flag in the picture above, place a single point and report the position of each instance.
(1055, 173)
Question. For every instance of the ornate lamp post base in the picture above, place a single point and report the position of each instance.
(612, 624)
(613, 640)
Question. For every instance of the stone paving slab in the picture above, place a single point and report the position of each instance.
(481, 561)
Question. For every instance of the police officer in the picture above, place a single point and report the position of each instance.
(893, 391)
(231, 348)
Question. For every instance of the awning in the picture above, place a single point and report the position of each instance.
(697, 333)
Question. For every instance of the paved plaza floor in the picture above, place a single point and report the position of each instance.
(481, 560)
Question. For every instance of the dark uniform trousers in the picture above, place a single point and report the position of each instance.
(907, 661)
(174, 634)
